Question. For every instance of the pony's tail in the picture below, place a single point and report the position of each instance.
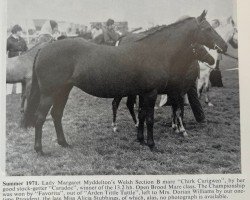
(33, 99)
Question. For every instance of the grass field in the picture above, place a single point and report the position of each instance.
(96, 149)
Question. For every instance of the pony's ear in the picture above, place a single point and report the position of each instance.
(230, 21)
(202, 16)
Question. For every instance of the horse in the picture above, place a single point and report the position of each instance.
(191, 54)
(176, 89)
(228, 31)
(140, 68)
(19, 70)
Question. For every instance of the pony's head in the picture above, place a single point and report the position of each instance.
(202, 54)
(227, 30)
(207, 36)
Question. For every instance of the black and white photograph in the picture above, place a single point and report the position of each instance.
(122, 87)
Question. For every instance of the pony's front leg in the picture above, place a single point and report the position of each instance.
(115, 104)
(174, 105)
(181, 117)
(149, 103)
(174, 123)
(207, 98)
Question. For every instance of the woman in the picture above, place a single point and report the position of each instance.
(16, 45)
(49, 28)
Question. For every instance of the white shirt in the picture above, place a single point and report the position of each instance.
(96, 32)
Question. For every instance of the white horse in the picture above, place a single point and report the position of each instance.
(227, 30)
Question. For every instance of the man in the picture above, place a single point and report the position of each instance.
(215, 76)
(110, 36)
(195, 104)
(15, 43)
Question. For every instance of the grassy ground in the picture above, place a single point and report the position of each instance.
(96, 149)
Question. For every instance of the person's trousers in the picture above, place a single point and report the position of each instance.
(195, 103)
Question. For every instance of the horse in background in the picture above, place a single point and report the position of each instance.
(226, 28)
(19, 70)
(175, 89)
(143, 67)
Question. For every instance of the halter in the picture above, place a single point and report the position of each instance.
(215, 46)
(195, 52)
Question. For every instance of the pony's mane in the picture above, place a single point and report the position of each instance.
(157, 29)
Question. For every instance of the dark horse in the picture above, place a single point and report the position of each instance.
(143, 67)
(188, 73)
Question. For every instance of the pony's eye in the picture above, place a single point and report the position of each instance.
(209, 29)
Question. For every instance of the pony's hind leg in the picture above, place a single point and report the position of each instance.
(42, 111)
(59, 102)
(141, 118)
(23, 97)
(130, 105)
(115, 104)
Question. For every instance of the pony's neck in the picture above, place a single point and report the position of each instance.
(184, 60)
(177, 36)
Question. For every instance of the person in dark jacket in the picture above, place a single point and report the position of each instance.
(215, 76)
(15, 43)
(110, 35)
(195, 104)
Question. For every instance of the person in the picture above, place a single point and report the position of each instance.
(97, 30)
(48, 30)
(192, 95)
(110, 35)
(215, 76)
(195, 104)
(16, 45)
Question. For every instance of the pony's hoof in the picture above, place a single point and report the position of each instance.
(137, 125)
(210, 104)
(39, 152)
(153, 149)
(115, 129)
(176, 131)
(184, 134)
(140, 140)
(64, 144)
(151, 144)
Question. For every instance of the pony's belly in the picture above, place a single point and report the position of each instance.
(111, 88)
(109, 92)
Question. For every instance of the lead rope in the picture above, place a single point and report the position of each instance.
(226, 54)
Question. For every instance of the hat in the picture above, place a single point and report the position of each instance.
(110, 22)
(16, 28)
(53, 24)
